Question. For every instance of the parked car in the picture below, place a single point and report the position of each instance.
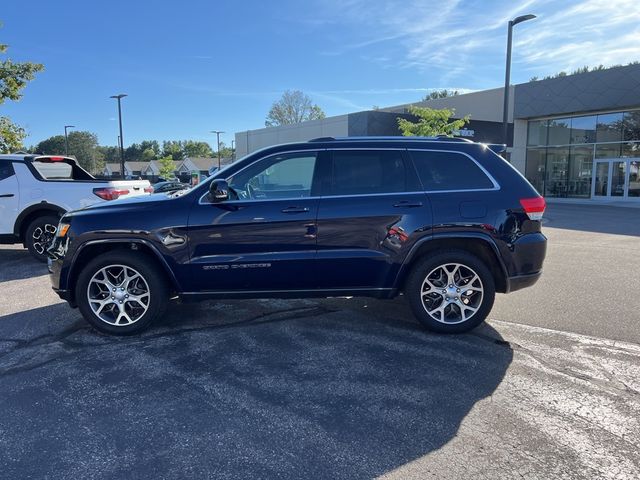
(36, 190)
(447, 222)
(168, 187)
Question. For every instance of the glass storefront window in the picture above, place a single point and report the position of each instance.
(537, 132)
(559, 131)
(608, 150)
(631, 126)
(609, 127)
(557, 171)
(583, 129)
(535, 166)
(580, 171)
(631, 149)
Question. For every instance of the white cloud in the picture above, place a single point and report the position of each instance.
(451, 39)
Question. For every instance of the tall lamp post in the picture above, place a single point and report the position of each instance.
(119, 97)
(507, 76)
(66, 142)
(233, 150)
(218, 132)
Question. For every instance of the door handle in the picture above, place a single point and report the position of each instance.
(407, 204)
(295, 210)
(7, 195)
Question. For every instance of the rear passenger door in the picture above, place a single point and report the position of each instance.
(463, 194)
(371, 203)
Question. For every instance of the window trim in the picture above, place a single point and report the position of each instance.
(496, 185)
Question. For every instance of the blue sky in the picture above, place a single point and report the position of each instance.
(194, 66)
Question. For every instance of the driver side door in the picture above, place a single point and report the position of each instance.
(264, 239)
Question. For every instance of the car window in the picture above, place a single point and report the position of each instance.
(6, 170)
(54, 170)
(369, 171)
(279, 176)
(449, 171)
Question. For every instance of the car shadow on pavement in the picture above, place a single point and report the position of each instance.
(593, 218)
(18, 264)
(337, 388)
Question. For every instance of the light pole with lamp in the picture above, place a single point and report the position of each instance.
(507, 76)
(218, 132)
(119, 97)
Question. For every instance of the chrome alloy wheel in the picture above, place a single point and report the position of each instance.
(452, 293)
(118, 295)
(43, 236)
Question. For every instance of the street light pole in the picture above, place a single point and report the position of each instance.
(119, 97)
(218, 132)
(66, 142)
(233, 150)
(507, 76)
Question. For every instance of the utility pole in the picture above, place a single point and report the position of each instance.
(119, 97)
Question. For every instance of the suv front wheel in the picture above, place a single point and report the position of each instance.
(450, 292)
(122, 292)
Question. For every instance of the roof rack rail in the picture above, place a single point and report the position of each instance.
(322, 139)
(391, 138)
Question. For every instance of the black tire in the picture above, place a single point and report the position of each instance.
(154, 281)
(453, 318)
(39, 235)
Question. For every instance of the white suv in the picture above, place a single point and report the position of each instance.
(36, 190)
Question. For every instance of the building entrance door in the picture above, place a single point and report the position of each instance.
(616, 179)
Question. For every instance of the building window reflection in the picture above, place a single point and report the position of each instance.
(561, 154)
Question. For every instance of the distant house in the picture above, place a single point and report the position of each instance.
(152, 170)
(113, 170)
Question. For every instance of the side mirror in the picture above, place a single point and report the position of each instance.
(218, 191)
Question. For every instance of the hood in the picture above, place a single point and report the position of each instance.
(125, 205)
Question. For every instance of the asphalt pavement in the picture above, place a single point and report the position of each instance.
(335, 388)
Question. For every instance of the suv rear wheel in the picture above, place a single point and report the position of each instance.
(122, 292)
(450, 292)
(39, 235)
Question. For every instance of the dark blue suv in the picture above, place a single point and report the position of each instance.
(444, 221)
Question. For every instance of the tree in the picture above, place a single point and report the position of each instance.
(11, 136)
(293, 107)
(191, 148)
(82, 145)
(440, 94)
(173, 149)
(166, 167)
(148, 155)
(109, 154)
(431, 122)
(14, 76)
(51, 146)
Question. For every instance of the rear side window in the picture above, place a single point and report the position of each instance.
(449, 171)
(369, 171)
(54, 171)
(6, 170)
(51, 169)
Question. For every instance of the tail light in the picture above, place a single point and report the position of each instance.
(148, 189)
(534, 207)
(110, 193)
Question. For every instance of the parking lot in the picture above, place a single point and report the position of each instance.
(337, 388)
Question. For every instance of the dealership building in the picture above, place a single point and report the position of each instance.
(576, 136)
